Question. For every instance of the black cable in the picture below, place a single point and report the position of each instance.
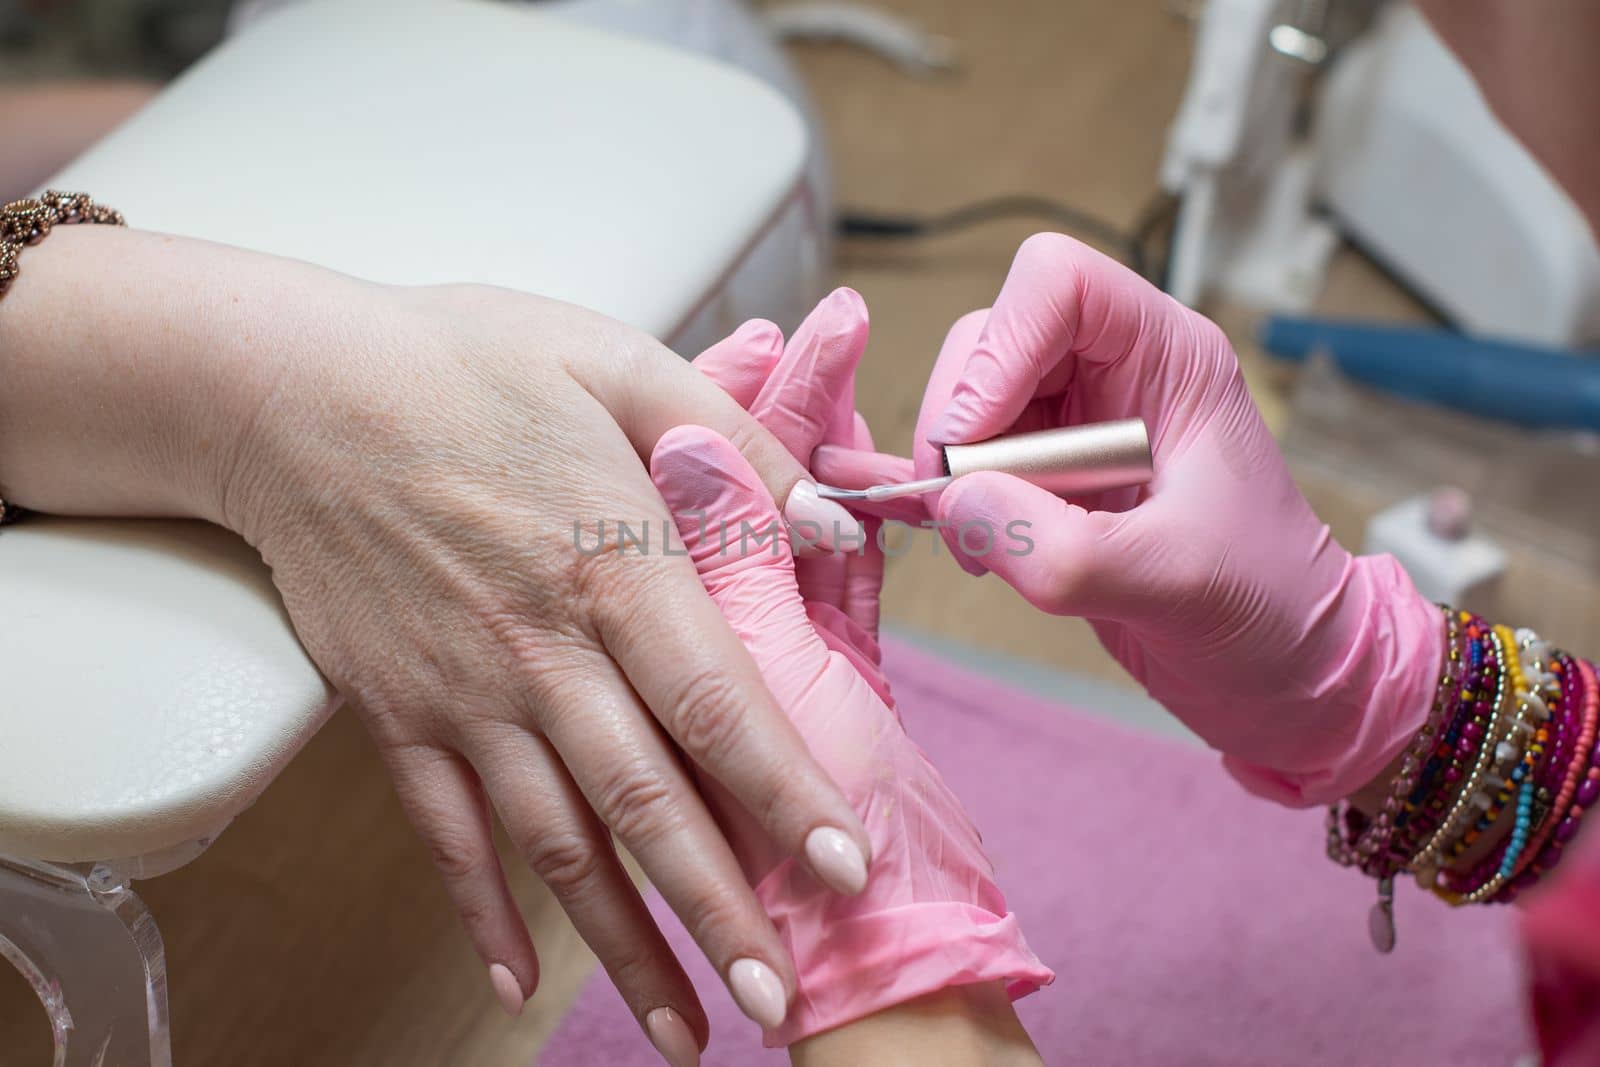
(871, 224)
(1129, 246)
(1155, 221)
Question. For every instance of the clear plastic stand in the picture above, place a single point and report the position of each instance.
(91, 951)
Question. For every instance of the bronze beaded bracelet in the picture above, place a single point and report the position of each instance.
(27, 222)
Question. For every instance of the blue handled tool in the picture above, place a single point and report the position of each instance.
(1525, 384)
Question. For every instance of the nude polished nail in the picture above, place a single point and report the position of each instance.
(837, 860)
(758, 992)
(672, 1038)
(507, 989)
(823, 523)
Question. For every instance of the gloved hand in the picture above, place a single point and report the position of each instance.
(930, 916)
(1215, 585)
(806, 399)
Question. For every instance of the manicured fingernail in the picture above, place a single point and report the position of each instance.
(507, 988)
(758, 992)
(824, 523)
(672, 1038)
(837, 860)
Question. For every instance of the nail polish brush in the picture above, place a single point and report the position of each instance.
(1066, 461)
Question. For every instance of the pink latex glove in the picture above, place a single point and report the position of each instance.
(1215, 586)
(806, 399)
(931, 915)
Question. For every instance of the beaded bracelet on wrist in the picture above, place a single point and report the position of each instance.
(1476, 809)
(1574, 802)
(1458, 748)
(1536, 703)
(1564, 698)
(1509, 747)
(1509, 767)
(1354, 840)
(1425, 861)
(27, 222)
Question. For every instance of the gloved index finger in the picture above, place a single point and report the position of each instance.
(1062, 301)
(741, 362)
(810, 396)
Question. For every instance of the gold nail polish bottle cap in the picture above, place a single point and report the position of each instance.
(1067, 461)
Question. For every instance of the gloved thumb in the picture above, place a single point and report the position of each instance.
(1063, 559)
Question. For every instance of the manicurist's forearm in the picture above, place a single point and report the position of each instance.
(131, 361)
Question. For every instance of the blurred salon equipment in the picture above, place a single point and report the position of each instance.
(1507, 531)
(1435, 539)
(781, 276)
(1305, 120)
(1308, 122)
(1540, 388)
(154, 685)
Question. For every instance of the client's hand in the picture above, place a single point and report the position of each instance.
(1215, 586)
(434, 505)
(930, 915)
(424, 470)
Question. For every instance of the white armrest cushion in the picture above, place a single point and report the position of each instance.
(153, 686)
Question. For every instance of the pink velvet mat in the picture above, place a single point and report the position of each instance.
(1188, 923)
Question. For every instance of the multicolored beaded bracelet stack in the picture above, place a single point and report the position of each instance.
(1494, 785)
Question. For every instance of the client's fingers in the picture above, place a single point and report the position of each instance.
(701, 475)
(570, 850)
(445, 803)
(683, 665)
(655, 391)
(634, 780)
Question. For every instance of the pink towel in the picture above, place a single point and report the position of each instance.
(1188, 923)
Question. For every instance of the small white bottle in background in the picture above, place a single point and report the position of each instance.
(1432, 537)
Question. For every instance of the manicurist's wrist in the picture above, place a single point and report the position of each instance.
(1419, 659)
(1370, 669)
(1395, 665)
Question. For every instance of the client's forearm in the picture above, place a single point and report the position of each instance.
(131, 361)
(962, 1026)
